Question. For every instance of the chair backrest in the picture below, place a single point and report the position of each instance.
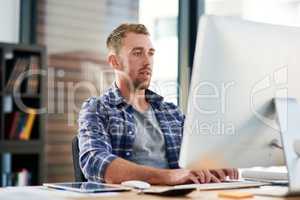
(79, 177)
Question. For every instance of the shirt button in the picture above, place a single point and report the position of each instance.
(128, 153)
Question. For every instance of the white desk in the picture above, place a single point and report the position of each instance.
(42, 193)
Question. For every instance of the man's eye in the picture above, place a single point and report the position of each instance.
(151, 53)
(137, 53)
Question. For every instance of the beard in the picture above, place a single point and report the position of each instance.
(141, 84)
(137, 81)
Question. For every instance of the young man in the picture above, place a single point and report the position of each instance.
(130, 132)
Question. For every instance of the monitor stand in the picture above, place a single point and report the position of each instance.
(288, 113)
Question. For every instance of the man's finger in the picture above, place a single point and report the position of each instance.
(220, 174)
(236, 174)
(200, 175)
(208, 176)
(194, 179)
(215, 179)
(230, 172)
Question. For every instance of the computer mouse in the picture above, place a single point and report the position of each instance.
(136, 184)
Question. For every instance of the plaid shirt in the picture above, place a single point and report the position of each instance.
(107, 130)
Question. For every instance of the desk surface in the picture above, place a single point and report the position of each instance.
(42, 193)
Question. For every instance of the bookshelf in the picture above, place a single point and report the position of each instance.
(22, 128)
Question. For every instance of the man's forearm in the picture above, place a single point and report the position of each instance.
(121, 170)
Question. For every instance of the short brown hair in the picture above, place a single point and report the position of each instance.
(114, 40)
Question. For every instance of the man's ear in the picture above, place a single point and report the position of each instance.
(113, 61)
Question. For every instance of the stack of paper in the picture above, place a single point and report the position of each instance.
(266, 173)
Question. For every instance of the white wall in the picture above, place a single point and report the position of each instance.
(9, 20)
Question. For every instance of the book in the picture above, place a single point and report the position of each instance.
(6, 175)
(7, 104)
(20, 66)
(33, 80)
(278, 173)
(21, 124)
(14, 125)
(9, 118)
(26, 132)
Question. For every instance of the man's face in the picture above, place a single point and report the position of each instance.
(136, 59)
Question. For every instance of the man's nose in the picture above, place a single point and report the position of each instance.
(147, 59)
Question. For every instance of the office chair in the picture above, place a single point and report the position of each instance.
(79, 177)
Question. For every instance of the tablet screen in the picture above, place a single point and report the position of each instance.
(85, 187)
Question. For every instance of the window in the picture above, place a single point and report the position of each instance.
(160, 17)
(9, 20)
(280, 12)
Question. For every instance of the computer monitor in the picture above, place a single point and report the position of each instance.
(239, 68)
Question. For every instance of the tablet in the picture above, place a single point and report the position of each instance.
(86, 187)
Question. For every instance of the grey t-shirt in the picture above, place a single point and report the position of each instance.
(149, 144)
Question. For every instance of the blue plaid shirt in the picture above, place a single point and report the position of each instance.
(107, 130)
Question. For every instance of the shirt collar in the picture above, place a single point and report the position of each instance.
(116, 98)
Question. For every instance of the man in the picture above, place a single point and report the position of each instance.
(130, 132)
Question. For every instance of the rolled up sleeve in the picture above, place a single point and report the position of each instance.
(95, 151)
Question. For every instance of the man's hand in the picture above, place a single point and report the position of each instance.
(184, 176)
(221, 174)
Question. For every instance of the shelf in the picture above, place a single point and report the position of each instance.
(27, 154)
(21, 146)
(37, 96)
(21, 47)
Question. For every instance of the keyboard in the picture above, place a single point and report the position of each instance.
(231, 184)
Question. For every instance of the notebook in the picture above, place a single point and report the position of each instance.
(275, 175)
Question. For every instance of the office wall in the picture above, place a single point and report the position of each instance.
(9, 20)
(74, 32)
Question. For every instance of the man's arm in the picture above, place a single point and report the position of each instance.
(98, 163)
(95, 150)
(120, 170)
